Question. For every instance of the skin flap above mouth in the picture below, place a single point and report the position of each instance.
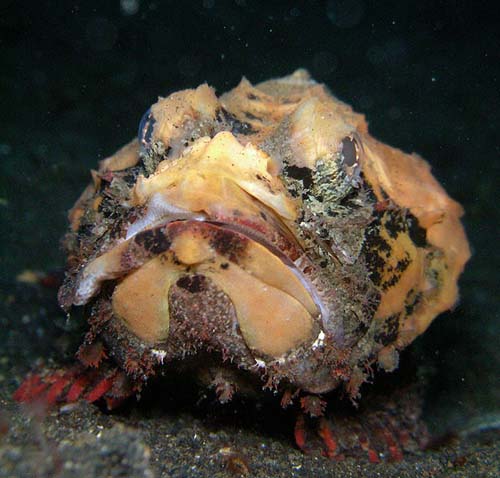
(211, 177)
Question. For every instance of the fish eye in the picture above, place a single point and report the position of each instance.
(349, 151)
(146, 127)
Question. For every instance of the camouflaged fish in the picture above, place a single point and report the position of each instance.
(262, 234)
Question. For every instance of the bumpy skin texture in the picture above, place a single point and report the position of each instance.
(260, 236)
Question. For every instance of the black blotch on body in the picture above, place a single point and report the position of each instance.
(397, 272)
(301, 174)
(85, 229)
(391, 282)
(413, 303)
(350, 200)
(402, 264)
(394, 223)
(237, 126)
(417, 233)
(360, 329)
(153, 240)
(389, 332)
(376, 250)
(228, 244)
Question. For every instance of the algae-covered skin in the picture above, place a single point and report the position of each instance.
(262, 235)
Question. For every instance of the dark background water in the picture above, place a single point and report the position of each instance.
(76, 77)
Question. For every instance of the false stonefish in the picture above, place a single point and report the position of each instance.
(262, 236)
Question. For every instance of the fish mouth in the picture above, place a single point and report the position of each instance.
(275, 305)
(220, 211)
(261, 225)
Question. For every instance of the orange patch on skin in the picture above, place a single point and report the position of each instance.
(141, 299)
(393, 299)
(408, 181)
(271, 321)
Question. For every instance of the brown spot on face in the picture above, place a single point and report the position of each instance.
(192, 283)
(228, 244)
(153, 240)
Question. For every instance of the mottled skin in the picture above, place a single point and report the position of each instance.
(267, 234)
